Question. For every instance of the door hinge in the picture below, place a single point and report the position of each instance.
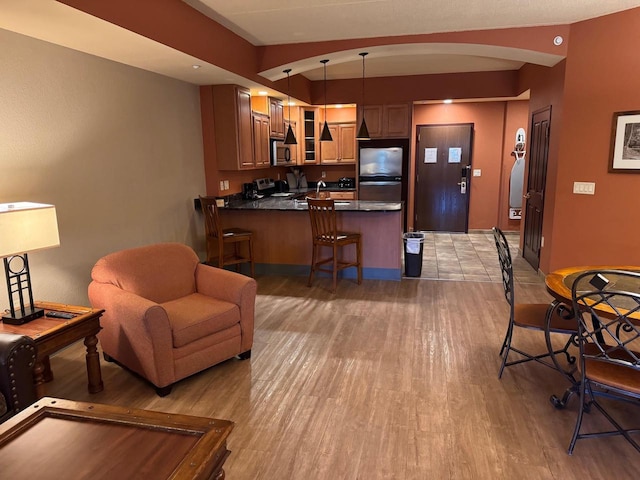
(418, 138)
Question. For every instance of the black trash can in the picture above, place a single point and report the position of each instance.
(413, 246)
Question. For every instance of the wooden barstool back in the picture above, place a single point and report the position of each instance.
(325, 233)
(218, 237)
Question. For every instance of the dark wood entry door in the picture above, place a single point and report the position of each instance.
(536, 180)
(443, 162)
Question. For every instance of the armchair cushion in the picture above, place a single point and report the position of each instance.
(196, 316)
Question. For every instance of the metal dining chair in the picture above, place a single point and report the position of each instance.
(218, 237)
(552, 317)
(325, 233)
(608, 306)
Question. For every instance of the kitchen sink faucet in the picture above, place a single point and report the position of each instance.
(318, 185)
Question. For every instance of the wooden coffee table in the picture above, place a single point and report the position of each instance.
(54, 439)
(53, 334)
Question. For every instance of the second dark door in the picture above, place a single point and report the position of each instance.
(443, 162)
(536, 181)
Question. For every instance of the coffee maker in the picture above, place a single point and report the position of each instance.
(249, 191)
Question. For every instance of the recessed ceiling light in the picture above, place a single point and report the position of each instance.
(448, 100)
(195, 67)
(262, 92)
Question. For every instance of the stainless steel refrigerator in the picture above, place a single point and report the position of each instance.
(380, 174)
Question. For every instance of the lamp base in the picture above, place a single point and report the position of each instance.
(30, 313)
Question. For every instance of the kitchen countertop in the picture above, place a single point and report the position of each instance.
(288, 203)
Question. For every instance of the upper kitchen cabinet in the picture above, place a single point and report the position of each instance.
(388, 121)
(343, 147)
(260, 139)
(310, 134)
(276, 116)
(232, 125)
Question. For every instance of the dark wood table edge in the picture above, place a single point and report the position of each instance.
(204, 461)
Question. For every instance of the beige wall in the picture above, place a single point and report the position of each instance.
(116, 149)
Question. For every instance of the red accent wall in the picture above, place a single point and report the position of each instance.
(600, 78)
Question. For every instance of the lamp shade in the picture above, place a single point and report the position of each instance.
(27, 227)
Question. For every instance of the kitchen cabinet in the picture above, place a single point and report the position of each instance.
(276, 116)
(232, 127)
(310, 135)
(343, 147)
(260, 139)
(387, 121)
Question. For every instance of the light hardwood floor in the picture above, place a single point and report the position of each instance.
(394, 380)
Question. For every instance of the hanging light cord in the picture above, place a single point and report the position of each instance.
(324, 62)
(363, 54)
(288, 93)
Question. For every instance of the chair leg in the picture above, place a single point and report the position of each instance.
(335, 268)
(581, 407)
(220, 253)
(251, 264)
(313, 264)
(359, 259)
(164, 391)
(506, 346)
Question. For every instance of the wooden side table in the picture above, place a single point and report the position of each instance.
(53, 334)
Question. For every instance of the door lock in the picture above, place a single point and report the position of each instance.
(463, 186)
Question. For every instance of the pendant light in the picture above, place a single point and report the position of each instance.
(363, 131)
(325, 136)
(290, 138)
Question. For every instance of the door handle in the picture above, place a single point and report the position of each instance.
(463, 186)
(527, 196)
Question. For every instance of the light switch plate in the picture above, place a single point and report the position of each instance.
(584, 188)
(477, 172)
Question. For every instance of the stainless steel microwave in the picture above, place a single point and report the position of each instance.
(282, 154)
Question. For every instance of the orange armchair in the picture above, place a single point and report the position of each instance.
(167, 316)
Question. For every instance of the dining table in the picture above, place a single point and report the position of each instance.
(559, 284)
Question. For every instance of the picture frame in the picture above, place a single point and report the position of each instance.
(625, 142)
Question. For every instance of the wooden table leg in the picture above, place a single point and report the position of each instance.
(93, 365)
(47, 373)
(38, 378)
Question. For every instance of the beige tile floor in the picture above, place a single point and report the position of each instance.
(471, 257)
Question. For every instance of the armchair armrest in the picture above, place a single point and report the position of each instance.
(135, 331)
(17, 358)
(234, 288)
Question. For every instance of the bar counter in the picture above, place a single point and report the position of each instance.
(282, 234)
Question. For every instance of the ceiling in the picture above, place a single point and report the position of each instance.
(273, 22)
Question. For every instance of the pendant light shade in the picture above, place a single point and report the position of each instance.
(325, 136)
(290, 138)
(363, 131)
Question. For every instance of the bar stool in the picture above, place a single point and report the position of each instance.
(217, 238)
(325, 233)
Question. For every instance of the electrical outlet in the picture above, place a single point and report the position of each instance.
(226, 184)
(221, 185)
(324, 174)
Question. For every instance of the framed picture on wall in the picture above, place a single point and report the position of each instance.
(625, 143)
